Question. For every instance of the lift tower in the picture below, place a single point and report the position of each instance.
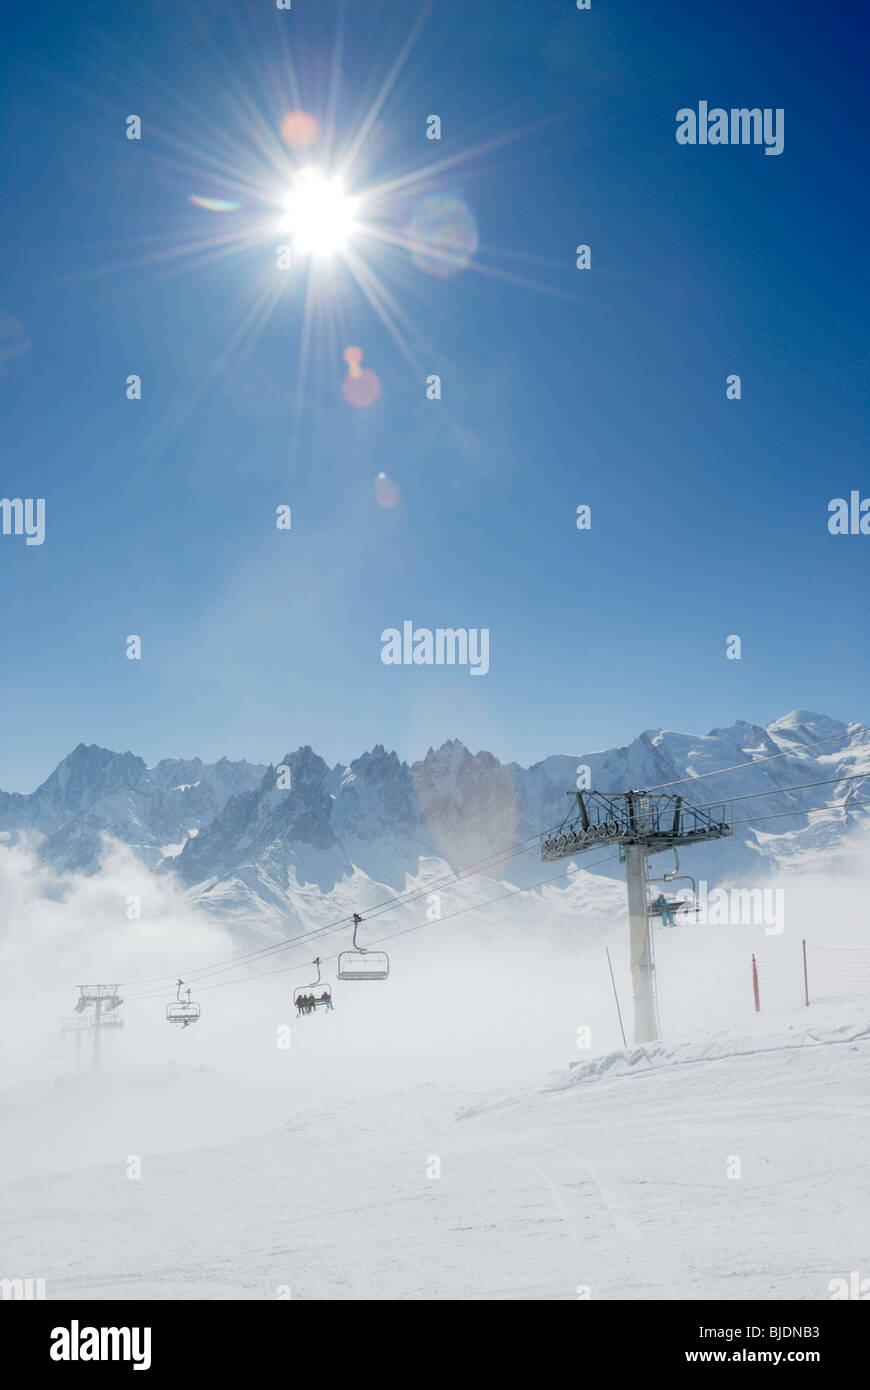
(640, 823)
(103, 999)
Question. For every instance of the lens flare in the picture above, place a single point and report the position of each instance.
(360, 387)
(442, 235)
(214, 204)
(387, 491)
(489, 795)
(298, 129)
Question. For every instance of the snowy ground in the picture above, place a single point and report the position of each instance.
(610, 1175)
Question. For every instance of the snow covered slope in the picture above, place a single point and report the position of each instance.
(608, 1180)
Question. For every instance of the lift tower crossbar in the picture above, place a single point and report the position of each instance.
(640, 823)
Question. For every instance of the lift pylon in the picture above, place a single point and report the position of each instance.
(640, 823)
(103, 999)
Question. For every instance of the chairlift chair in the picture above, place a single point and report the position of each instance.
(304, 991)
(182, 1011)
(361, 963)
(676, 905)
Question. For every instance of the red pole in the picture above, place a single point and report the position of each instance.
(755, 984)
(806, 980)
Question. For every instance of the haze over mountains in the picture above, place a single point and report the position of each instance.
(251, 850)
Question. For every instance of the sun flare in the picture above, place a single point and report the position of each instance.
(318, 214)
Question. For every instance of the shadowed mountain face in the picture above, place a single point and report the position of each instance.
(241, 835)
(95, 792)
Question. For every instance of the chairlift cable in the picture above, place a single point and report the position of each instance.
(808, 811)
(490, 861)
(472, 907)
(777, 791)
(205, 971)
(768, 757)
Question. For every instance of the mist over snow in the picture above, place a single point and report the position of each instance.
(515, 973)
(468, 1052)
(496, 994)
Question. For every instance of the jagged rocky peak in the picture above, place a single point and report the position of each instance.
(455, 772)
(468, 801)
(293, 801)
(378, 764)
(309, 772)
(374, 799)
(377, 816)
(175, 773)
(89, 771)
(239, 771)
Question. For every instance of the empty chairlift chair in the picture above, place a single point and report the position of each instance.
(182, 1012)
(361, 963)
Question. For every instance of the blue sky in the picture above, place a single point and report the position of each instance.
(560, 387)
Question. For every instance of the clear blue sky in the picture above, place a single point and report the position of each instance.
(604, 387)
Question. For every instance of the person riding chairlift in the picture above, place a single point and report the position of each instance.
(662, 905)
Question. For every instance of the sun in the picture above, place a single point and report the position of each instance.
(318, 214)
(333, 226)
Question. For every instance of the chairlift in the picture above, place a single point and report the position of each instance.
(182, 1011)
(361, 963)
(307, 1001)
(675, 905)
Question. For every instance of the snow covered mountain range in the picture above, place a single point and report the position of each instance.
(249, 849)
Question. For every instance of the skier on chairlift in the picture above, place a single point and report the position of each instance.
(662, 906)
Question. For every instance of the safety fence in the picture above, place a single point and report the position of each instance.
(808, 974)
